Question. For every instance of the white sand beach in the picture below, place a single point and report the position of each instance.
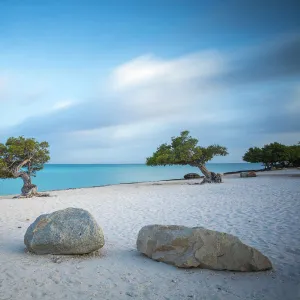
(264, 212)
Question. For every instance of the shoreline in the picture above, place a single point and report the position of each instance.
(281, 172)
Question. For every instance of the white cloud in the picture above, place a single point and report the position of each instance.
(168, 88)
(149, 69)
(62, 105)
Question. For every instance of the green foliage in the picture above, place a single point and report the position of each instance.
(294, 155)
(183, 150)
(274, 154)
(4, 173)
(253, 155)
(17, 150)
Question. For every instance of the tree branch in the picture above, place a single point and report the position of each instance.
(15, 170)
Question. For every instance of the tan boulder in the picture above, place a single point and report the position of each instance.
(187, 247)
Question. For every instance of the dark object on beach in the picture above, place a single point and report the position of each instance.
(247, 174)
(187, 247)
(67, 231)
(215, 178)
(191, 176)
(183, 150)
(33, 193)
(251, 174)
(237, 172)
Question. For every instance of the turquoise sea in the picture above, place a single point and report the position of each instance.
(57, 177)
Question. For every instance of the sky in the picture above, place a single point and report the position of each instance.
(109, 81)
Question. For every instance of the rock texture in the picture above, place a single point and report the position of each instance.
(214, 178)
(191, 176)
(187, 247)
(68, 231)
(247, 174)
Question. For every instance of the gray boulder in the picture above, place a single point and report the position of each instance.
(187, 247)
(67, 231)
(247, 174)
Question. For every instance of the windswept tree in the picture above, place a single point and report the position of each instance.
(183, 150)
(23, 157)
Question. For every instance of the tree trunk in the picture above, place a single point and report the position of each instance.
(28, 188)
(209, 177)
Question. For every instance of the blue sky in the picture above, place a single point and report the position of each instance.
(108, 81)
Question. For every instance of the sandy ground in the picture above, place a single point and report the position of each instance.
(263, 211)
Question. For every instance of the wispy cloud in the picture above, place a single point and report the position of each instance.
(150, 69)
(222, 97)
(62, 105)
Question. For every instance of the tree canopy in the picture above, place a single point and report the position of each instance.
(253, 155)
(293, 155)
(183, 150)
(28, 153)
(274, 154)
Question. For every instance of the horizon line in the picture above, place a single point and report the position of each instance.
(138, 163)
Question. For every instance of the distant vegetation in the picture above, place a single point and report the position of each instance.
(274, 155)
(183, 150)
(23, 157)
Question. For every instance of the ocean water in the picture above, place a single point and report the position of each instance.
(57, 177)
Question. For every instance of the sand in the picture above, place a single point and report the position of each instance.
(263, 212)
